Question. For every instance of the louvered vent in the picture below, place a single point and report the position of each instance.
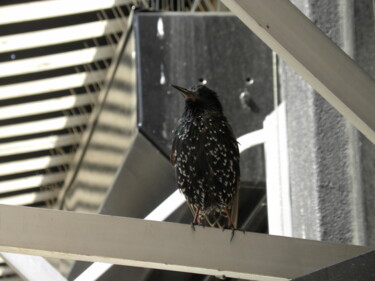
(54, 56)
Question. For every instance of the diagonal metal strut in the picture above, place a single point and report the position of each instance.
(314, 56)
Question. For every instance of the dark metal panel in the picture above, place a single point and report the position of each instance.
(187, 49)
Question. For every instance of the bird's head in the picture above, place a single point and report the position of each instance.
(201, 98)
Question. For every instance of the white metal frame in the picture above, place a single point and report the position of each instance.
(162, 245)
(32, 268)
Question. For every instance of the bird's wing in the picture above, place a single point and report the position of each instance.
(172, 156)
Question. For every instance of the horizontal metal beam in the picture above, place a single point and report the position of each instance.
(41, 86)
(55, 61)
(59, 35)
(36, 163)
(314, 56)
(46, 125)
(38, 144)
(31, 182)
(30, 198)
(32, 268)
(161, 245)
(46, 106)
(49, 9)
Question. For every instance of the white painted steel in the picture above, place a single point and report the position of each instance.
(59, 35)
(32, 164)
(56, 8)
(251, 139)
(32, 268)
(314, 56)
(4, 271)
(51, 84)
(46, 106)
(38, 144)
(277, 173)
(167, 207)
(160, 213)
(55, 61)
(94, 271)
(30, 198)
(31, 182)
(52, 124)
(161, 245)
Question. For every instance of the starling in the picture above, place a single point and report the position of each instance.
(205, 155)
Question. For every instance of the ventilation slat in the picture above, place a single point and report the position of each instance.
(59, 35)
(45, 106)
(38, 144)
(33, 164)
(55, 61)
(5, 270)
(31, 182)
(13, 278)
(30, 198)
(87, 197)
(48, 9)
(42, 126)
(51, 84)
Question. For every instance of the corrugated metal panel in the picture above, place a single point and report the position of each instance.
(54, 57)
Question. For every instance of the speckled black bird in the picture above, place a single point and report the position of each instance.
(205, 155)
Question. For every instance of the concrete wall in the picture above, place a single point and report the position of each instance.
(331, 165)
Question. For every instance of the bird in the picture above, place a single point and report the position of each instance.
(205, 156)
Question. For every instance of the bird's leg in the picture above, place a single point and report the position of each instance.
(230, 222)
(196, 218)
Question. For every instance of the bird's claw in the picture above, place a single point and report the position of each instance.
(232, 235)
(193, 226)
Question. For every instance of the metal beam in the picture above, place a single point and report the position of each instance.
(277, 173)
(55, 61)
(49, 9)
(31, 182)
(161, 245)
(32, 268)
(314, 56)
(47, 85)
(30, 198)
(37, 144)
(60, 35)
(37, 163)
(46, 106)
(46, 125)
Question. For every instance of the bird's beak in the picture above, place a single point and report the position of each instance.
(185, 92)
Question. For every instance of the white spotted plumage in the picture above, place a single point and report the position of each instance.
(216, 174)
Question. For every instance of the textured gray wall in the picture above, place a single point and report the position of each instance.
(331, 165)
(364, 54)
